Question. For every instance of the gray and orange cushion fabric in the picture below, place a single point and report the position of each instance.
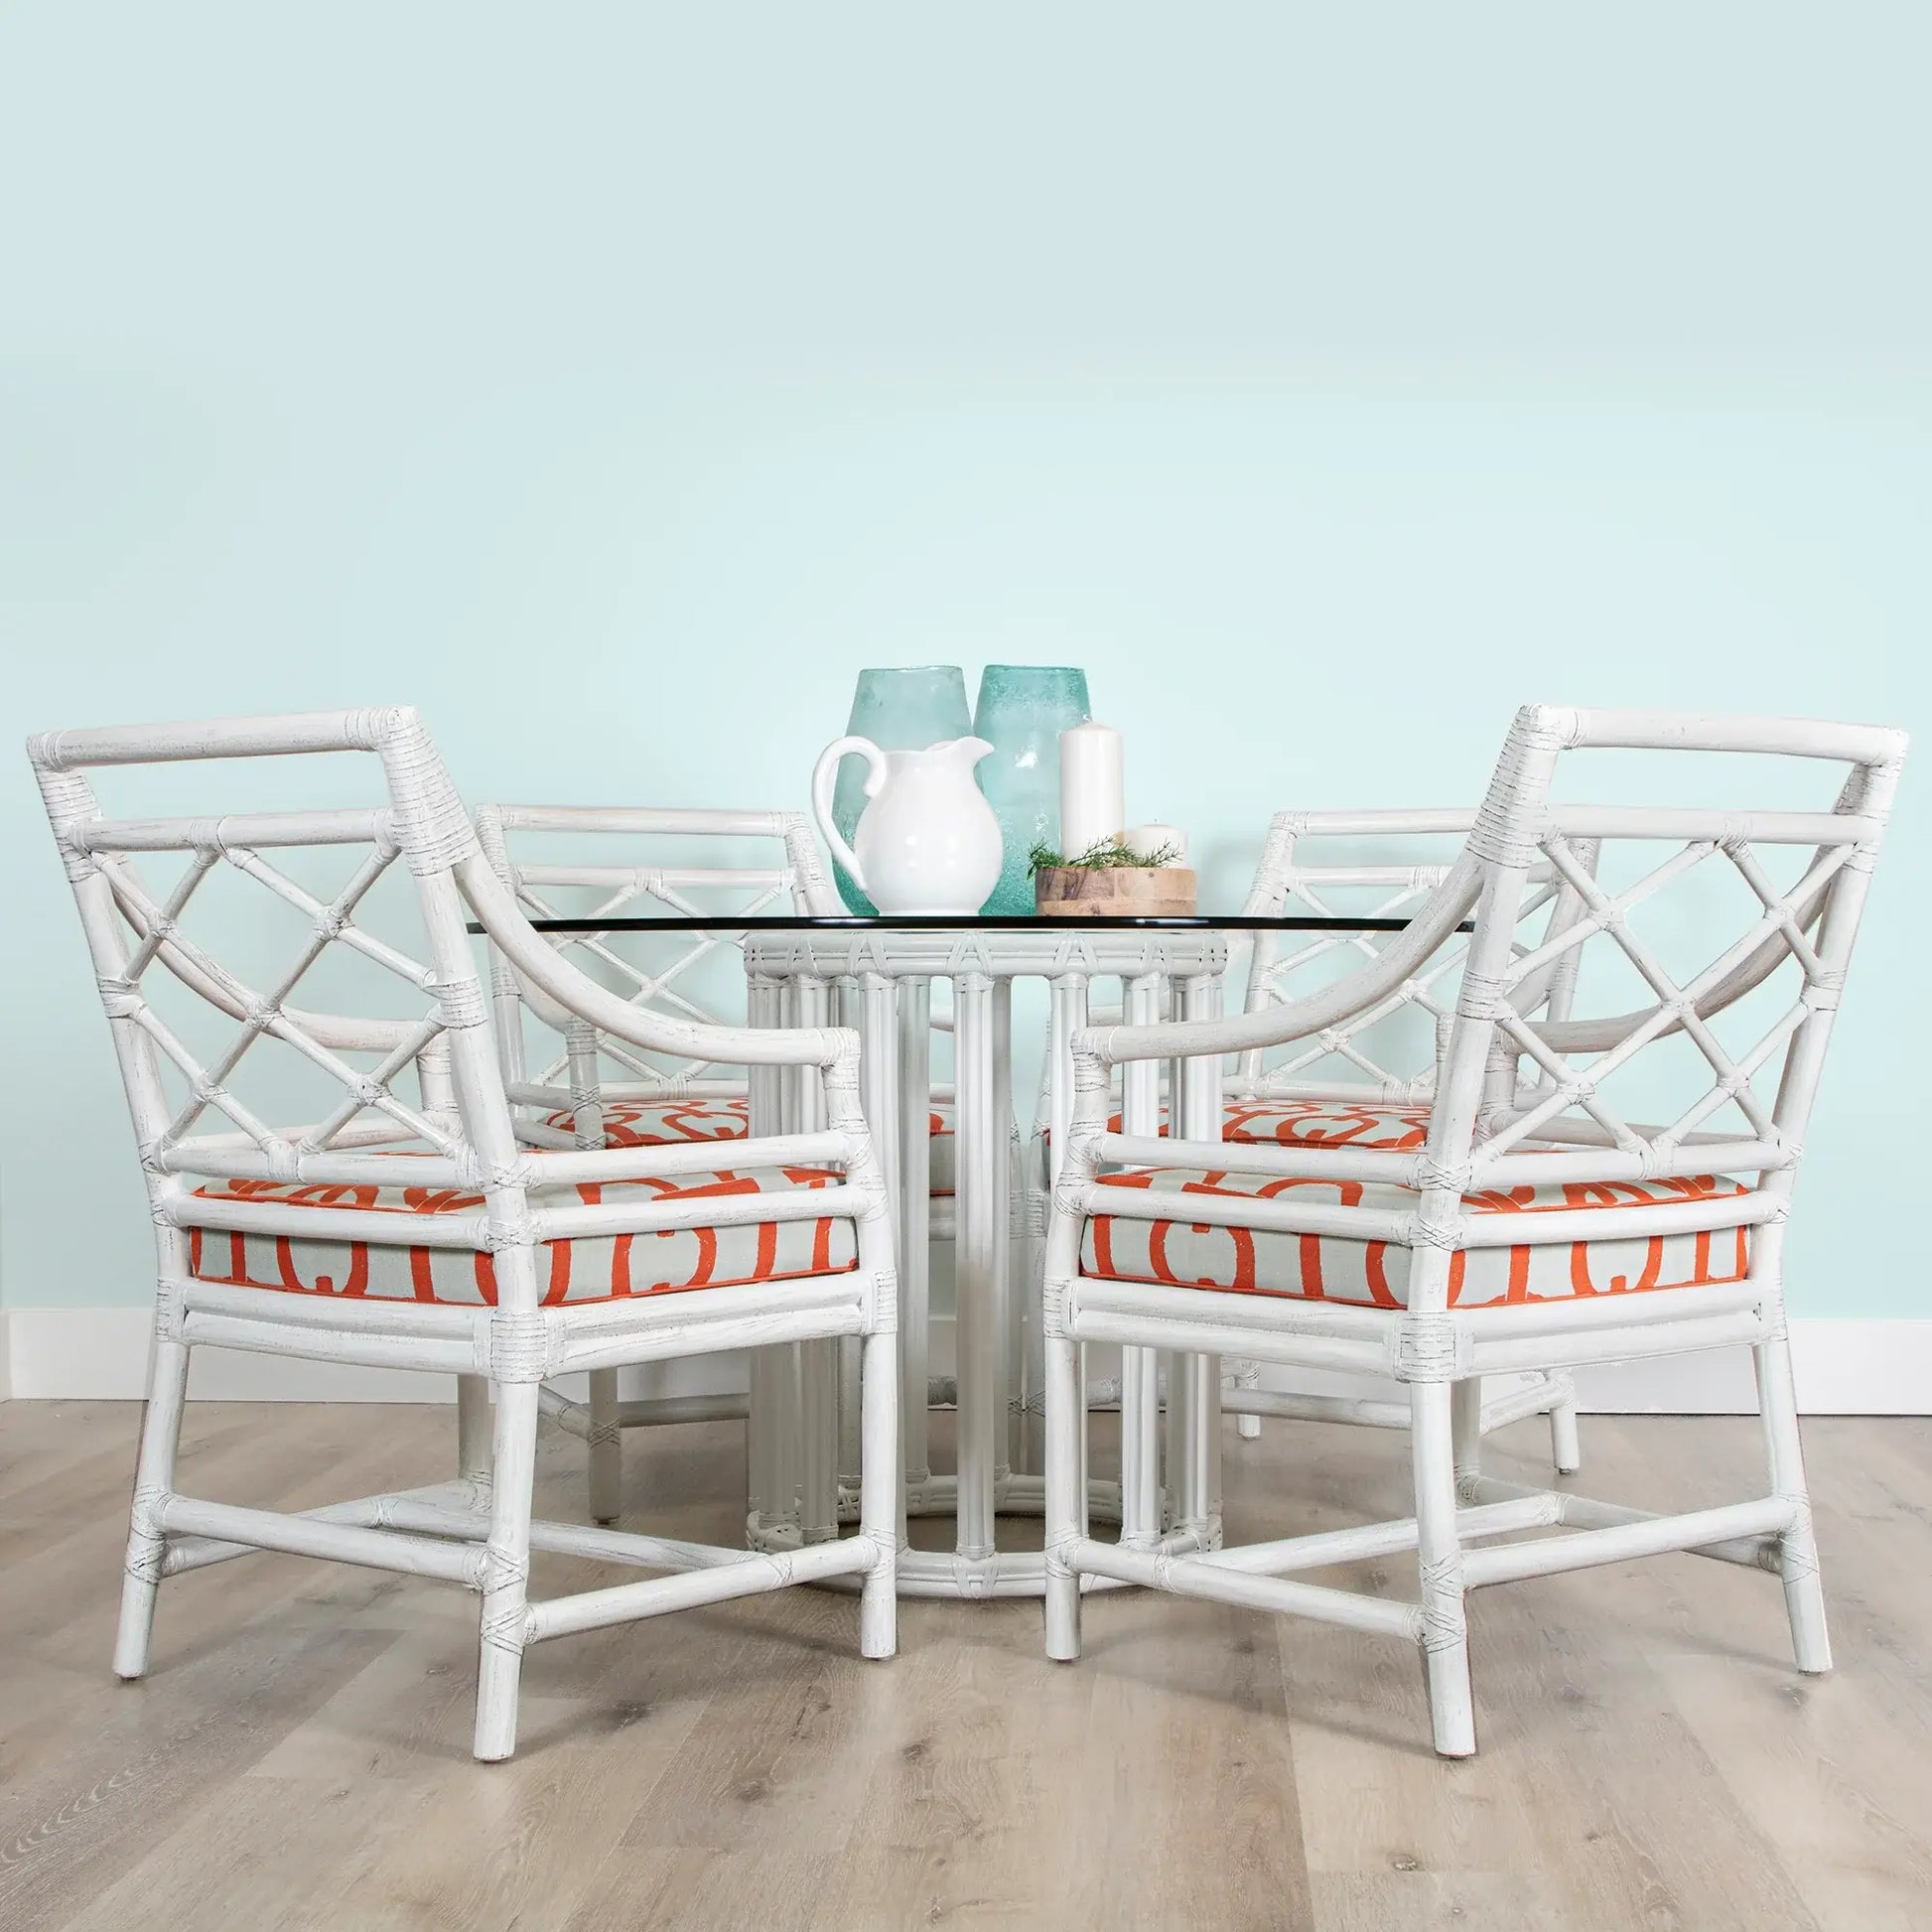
(1375, 1274)
(665, 1123)
(602, 1268)
(1326, 1123)
(1318, 1123)
(660, 1123)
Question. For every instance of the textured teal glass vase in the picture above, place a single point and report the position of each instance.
(903, 708)
(1022, 711)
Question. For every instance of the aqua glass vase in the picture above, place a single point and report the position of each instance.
(1022, 711)
(904, 708)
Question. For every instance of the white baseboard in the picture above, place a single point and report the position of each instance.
(101, 1355)
(1843, 1367)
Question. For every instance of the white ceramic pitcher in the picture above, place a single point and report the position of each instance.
(929, 841)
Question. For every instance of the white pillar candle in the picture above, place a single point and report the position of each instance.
(1093, 795)
(1144, 841)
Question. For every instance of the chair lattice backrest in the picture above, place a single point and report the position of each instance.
(1380, 863)
(1731, 931)
(203, 1039)
(580, 1070)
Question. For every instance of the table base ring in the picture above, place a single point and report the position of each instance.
(942, 1572)
(1014, 1494)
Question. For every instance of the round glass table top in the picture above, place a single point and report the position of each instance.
(969, 922)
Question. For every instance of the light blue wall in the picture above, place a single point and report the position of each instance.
(613, 384)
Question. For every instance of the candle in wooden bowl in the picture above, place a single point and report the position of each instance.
(1149, 840)
(1093, 794)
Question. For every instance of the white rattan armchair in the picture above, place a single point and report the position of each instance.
(417, 1233)
(1543, 1224)
(591, 1088)
(1348, 1088)
(574, 1085)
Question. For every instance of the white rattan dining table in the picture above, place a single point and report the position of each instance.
(877, 973)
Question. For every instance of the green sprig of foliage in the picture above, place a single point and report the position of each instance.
(1106, 855)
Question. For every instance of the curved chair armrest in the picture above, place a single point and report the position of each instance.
(582, 998)
(1277, 1026)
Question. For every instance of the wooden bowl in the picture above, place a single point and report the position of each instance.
(1118, 892)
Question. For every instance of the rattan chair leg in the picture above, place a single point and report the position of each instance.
(1438, 1564)
(154, 1480)
(507, 1573)
(1804, 1593)
(607, 1448)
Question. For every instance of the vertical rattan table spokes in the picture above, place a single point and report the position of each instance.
(884, 971)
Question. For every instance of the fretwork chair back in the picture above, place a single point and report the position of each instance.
(589, 1087)
(1628, 1201)
(1369, 1081)
(402, 1225)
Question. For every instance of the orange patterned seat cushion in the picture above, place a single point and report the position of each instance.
(664, 1123)
(660, 1123)
(1319, 1268)
(602, 1268)
(1316, 1123)
(1326, 1123)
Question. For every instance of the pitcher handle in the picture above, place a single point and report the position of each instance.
(825, 774)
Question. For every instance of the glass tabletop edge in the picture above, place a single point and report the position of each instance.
(973, 922)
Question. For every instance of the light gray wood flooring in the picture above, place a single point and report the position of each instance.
(299, 1756)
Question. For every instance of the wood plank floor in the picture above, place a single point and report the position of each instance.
(299, 1756)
